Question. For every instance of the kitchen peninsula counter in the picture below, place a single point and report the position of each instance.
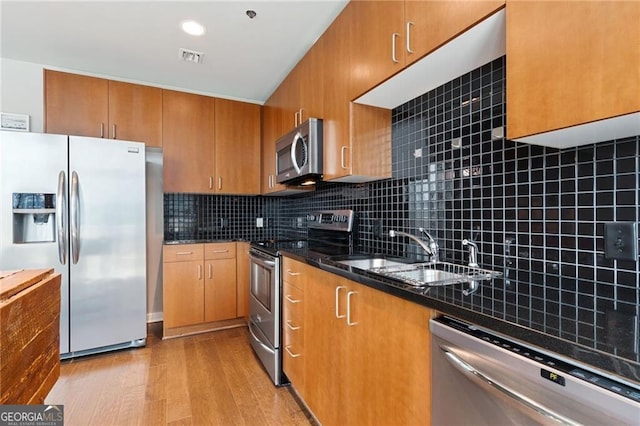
(450, 300)
(29, 335)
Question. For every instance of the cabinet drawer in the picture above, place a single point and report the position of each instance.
(292, 299)
(182, 252)
(293, 332)
(293, 272)
(220, 251)
(293, 366)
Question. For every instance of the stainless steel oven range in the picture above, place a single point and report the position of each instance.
(330, 232)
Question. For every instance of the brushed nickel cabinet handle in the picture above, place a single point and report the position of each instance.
(102, 130)
(349, 322)
(394, 36)
(210, 182)
(184, 253)
(210, 271)
(338, 314)
(408, 44)
(113, 131)
(288, 297)
(292, 327)
(199, 272)
(291, 354)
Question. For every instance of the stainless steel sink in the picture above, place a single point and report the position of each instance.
(436, 274)
(371, 263)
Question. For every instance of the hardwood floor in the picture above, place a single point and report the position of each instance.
(206, 379)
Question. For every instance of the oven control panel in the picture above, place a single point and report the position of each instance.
(336, 220)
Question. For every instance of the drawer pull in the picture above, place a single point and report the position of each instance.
(220, 251)
(291, 354)
(292, 327)
(184, 253)
(293, 274)
(288, 297)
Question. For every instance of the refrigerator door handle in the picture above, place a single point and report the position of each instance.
(75, 207)
(61, 217)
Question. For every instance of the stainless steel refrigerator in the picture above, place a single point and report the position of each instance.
(77, 204)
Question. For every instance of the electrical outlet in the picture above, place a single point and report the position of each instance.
(621, 240)
(259, 222)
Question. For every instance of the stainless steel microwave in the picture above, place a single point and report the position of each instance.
(299, 154)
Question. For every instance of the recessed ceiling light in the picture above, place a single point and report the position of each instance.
(192, 28)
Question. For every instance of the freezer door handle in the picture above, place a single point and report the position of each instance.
(75, 218)
(61, 217)
(474, 374)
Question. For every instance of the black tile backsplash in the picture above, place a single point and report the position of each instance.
(537, 213)
(218, 217)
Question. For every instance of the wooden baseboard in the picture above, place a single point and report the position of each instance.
(169, 333)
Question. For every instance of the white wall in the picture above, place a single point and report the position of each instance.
(21, 90)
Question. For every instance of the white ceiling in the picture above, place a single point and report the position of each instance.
(138, 41)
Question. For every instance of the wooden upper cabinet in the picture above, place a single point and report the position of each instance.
(135, 113)
(357, 138)
(389, 35)
(310, 83)
(75, 104)
(377, 42)
(237, 147)
(89, 106)
(570, 63)
(337, 63)
(188, 142)
(430, 24)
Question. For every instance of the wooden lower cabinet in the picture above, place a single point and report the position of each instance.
(220, 293)
(199, 288)
(366, 354)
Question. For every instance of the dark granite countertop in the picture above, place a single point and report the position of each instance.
(449, 300)
(224, 240)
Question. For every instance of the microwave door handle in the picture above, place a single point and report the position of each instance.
(294, 144)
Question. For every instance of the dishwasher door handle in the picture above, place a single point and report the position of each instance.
(469, 370)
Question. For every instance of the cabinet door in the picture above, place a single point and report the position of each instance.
(388, 366)
(570, 63)
(377, 43)
(220, 291)
(237, 136)
(183, 293)
(75, 104)
(135, 113)
(430, 24)
(188, 142)
(337, 82)
(271, 131)
(325, 347)
(311, 84)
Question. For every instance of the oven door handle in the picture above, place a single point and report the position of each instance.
(257, 339)
(260, 261)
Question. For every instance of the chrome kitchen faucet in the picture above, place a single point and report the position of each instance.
(431, 249)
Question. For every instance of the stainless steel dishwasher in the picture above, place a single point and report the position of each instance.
(480, 378)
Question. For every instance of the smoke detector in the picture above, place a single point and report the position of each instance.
(188, 55)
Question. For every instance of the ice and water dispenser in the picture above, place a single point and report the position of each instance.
(34, 218)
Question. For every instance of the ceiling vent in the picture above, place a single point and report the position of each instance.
(190, 55)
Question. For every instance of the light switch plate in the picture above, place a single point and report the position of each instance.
(621, 240)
